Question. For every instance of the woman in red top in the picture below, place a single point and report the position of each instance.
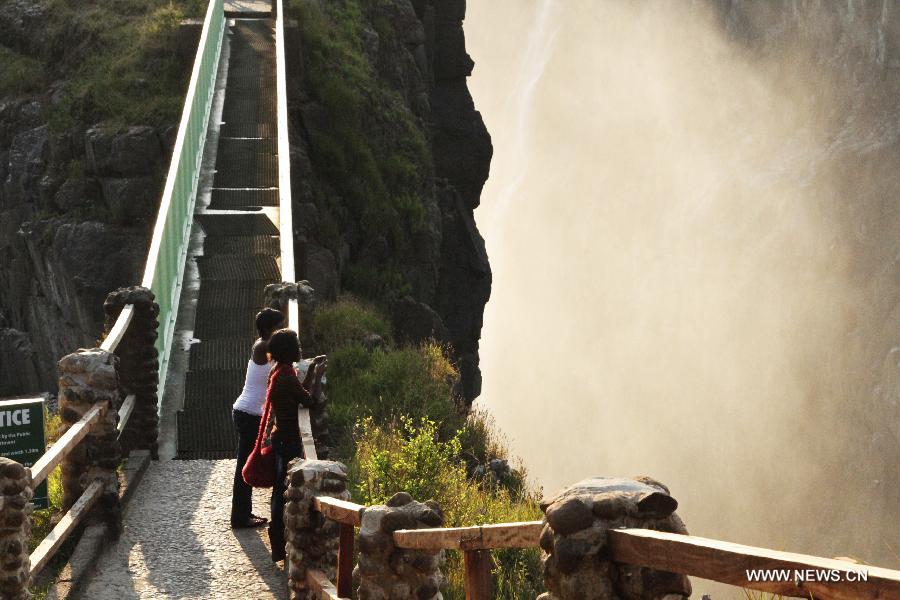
(286, 394)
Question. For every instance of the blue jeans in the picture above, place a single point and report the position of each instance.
(285, 451)
(247, 426)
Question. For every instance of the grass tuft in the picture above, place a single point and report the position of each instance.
(19, 74)
(346, 322)
(389, 385)
(410, 456)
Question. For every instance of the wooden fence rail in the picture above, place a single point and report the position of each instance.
(125, 412)
(341, 511)
(731, 563)
(49, 546)
(112, 340)
(322, 588)
(480, 537)
(725, 562)
(64, 445)
(51, 459)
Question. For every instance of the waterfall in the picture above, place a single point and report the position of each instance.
(519, 103)
(695, 276)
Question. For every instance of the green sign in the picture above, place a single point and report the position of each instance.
(22, 437)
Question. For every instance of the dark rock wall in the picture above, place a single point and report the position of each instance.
(416, 51)
(462, 155)
(78, 200)
(76, 209)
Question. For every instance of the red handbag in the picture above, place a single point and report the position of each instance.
(259, 470)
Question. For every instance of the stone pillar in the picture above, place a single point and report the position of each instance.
(312, 540)
(138, 365)
(15, 530)
(87, 378)
(574, 538)
(385, 571)
(277, 296)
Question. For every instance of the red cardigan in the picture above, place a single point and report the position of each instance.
(286, 394)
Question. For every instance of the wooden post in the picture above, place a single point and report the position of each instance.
(345, 562)
(478, 574)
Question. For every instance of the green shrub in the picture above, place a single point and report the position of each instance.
(19, 74)
(411, 457)
(42, 518)
(388, 385)
(481, 443)
(346, 322)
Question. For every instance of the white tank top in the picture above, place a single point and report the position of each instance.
(253, 397)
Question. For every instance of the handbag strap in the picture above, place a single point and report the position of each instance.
(264, 422)
(260, 435)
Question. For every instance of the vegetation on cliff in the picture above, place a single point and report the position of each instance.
(397, 421)
(397, 399)
(385, 125)
(373, 157)
(90, 93)
(99, 61)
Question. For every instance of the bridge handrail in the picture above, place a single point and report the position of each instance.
(285, 201)
(168, 245)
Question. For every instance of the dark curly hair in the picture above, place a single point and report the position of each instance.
(267, 320)
(284, 346)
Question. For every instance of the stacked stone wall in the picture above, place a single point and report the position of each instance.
(574, 537)
(138, 365)
(88, 378)
(312, 540)
(387, 572)
(15, 530)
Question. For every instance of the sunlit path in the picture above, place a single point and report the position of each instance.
(177, 542)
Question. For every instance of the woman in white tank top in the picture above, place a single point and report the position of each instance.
(253, 396)
(247, 412)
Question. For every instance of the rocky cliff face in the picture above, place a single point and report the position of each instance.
(77, 201)
(389, 157)
(388, 214)
(75, 214)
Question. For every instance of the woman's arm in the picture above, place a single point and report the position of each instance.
(258, 352)
(296, 391)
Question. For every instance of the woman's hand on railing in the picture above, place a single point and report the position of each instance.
(315, 373)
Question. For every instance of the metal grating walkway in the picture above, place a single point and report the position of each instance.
(241, 246)
(232, 199)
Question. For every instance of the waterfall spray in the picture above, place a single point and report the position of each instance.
(695, 276)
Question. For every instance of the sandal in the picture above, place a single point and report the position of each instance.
(251, 522)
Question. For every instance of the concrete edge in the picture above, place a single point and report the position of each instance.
(94, 536)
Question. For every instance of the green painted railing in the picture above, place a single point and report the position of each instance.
(168, 247)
